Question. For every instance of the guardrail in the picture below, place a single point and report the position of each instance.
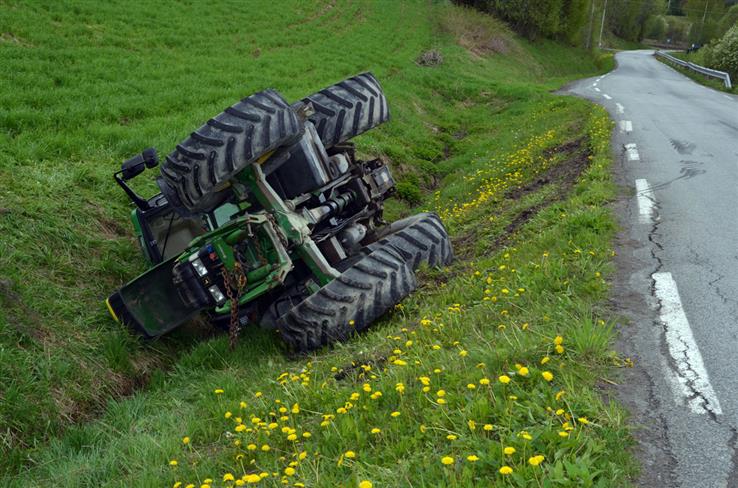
(696, 67)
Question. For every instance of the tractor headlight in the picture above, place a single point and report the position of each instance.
(217, 294)
(199, 267)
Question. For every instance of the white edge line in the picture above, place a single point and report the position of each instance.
(607, 96)
(691, 374)
(632, 152)
(646, 200)
(620, 108)
(597, 89)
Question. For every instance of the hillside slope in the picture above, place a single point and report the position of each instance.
(478, 138)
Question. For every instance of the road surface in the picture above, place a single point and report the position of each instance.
(677, 285)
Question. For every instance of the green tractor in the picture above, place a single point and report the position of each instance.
(266, 217)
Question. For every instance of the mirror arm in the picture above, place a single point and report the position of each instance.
(140, 202)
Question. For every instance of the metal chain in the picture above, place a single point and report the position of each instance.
(277, 229)
(241, 281)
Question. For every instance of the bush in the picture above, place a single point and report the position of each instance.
(724, 54)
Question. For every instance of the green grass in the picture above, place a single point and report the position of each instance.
(84, 403)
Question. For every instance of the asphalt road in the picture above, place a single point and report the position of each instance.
(677, 282)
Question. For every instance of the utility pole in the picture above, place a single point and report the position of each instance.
(602, 25)
(704, 16)
(591, 26)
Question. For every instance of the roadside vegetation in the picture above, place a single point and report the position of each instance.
(491, 372)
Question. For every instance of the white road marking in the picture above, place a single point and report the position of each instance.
(597, 89)
(632, 151)
(690, 375)
(621, 109)
(594, 84)
(607, 96)
(626, 126)
(646, 201)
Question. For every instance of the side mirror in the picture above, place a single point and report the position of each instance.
(137, 164)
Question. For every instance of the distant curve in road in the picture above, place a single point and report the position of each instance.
(676, 143)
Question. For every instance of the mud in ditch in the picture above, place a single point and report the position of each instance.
(565, 175)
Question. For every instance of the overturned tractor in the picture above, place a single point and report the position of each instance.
(267, 217)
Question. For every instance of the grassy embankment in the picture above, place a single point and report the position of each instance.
(479, 138)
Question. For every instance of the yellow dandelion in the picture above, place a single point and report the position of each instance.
(472, 458)
(365, 484)
(376, 430)
(228, 477)
(523, 371)
(509, 450)
(488, 427)
(173, 462)
(547, 375)
(504, 379)
(506, 470)
(395, 414)
(536, 460)
(185, 440)
(219, 391)
(447, 460)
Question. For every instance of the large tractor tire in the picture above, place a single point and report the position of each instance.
(420, 238)
(349, 303)
(226, 144)
(348, 108)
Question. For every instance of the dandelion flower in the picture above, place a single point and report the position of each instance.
(488, 427)
(504, 379)
(441, 393)
(484, 381)
(545, 359)
(365, 484)
(563, 433)
(509, 450)
(451, 437)
(228, 477)
(536, 460)
(395, 414)
(583, 420)
(399, 362)
(559, 349)
(185, 440)
(523, 371)
(265, 448)
(547, 375)
(173, 462)
(506, 470)
(472, 458)
(376, 430)
(471, 386)
(218, 391)
(350, 454)
(447, 460)
(558, 340)
(227, 415)
(289, 471)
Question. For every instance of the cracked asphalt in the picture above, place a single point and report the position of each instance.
(683, 390)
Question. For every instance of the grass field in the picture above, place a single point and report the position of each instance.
(520, 176)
